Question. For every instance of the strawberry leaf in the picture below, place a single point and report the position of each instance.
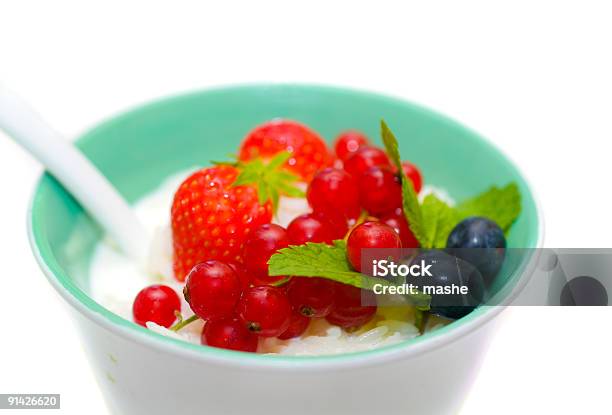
(263, 194)
(278, 160)
(269, 178)
(290, 191)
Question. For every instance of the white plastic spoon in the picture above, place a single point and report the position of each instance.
(76, 173)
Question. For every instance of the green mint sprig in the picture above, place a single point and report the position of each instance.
(330, 262)
(439, 219)
(432, 221)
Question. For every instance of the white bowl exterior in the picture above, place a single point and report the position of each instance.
(140, 380)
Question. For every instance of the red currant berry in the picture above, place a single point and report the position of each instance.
(243, 274)
(265, 310)
(260, 245)
(313, 227)
(364, 158)
(156, 303)
(229, 333)
(412, 172)
(297, 326)
(313, 297)
(370, 235)
(348, 143)
(337, 223)
(380, 190)
(333, 193)
(397, 220)
(353, 307)
(212, 290)
(267, 280)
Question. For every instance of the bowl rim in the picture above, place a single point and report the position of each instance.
(130, 331)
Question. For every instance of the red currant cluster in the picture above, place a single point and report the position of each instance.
(360, 196)
(364, 179)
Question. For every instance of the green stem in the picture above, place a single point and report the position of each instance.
(420, 319)
(280, 282)
(184, 323)
(362, 218)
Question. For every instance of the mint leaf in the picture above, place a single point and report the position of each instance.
(316, 260)
(410, 201)
(501, 205)
(439, 219)
(391, 144)
(432, 221)
(327, 261)
(412, 210)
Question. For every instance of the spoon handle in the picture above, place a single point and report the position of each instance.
(76, 173)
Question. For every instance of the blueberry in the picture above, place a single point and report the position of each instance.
(481, 242)
(447, 270)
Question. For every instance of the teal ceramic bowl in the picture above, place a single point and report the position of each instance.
(138, 149)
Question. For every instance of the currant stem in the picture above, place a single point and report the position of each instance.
(421, 318)
(280, 283)
(184, 323)
(362, 218)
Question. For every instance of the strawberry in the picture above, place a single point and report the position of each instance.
(309, 153)
(216, 208)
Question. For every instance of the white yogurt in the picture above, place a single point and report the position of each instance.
(115, 281)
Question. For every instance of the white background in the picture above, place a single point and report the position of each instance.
(533, 76)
